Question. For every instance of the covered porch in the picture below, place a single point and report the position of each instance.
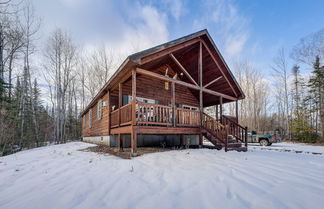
(166, 93)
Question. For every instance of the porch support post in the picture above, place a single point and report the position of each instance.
(120, 101)
(181, 140)
(133, 97)
(200, 92)
(121, 142)
(109, 110)
(216, 112)
(119, 138)
(133, 142)
(236, 116)
(236, 110)
(221, 109)
(173, 104)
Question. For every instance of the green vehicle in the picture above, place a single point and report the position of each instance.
(263, 139)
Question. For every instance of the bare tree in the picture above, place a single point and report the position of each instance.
(60, 62)
(97, 67)
(30, 26)
(281, 75)
(253, 109)
(308, 48)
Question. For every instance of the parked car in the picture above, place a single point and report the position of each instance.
(263, 139)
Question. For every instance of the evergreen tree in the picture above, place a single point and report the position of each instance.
(316, 86)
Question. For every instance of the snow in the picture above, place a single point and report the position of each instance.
(60, 176)
(291, 147)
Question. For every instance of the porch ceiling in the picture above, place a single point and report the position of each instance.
(188, 58)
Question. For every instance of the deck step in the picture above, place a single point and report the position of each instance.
(234, 145)
(239, 149)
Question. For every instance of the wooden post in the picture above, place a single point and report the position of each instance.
(200, 70)
(226, 137)
(246, 136)
(133, 97)
(118, 141)
(121, 142)
(109, 110)
(173, 104)
(181, 140)
(120, 101)
(200, 140)
(133, 141)
(236, 115)
(200, 73)
(221, 109)
(216, 112)
(236, 110)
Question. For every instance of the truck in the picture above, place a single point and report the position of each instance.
(263, 139)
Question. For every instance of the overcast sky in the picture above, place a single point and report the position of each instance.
(246, 30)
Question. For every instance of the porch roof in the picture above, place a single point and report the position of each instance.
(185, 51)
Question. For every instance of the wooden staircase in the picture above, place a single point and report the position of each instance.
(225, 133)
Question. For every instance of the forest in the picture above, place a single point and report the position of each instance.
(45, 85)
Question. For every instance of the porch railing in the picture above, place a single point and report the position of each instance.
(154, 114)
(121, 117)
(126, 114)
(186, 117)
(114, 118)
(215, 127)
(235, 129)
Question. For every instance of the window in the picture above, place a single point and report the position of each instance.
(190, 107)
(125, 100)
(90, 118)
(150, 101)
(99, 110)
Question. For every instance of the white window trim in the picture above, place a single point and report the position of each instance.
(99, 110)
(90, 118)
(190, 107)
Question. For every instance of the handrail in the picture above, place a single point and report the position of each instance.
(235, 129)
(217, 129)
(211, 118)
(123, 107)
(114, 111)
(233, 121)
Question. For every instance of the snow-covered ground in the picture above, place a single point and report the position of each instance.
(291, 147)
(60, 176)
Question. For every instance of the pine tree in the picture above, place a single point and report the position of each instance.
(300, 125)
(316, 86)
(36, 104)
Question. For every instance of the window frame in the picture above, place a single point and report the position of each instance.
(99, 110)
(90, 118)
(84, 124)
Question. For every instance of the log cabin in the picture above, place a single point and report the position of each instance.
(157, 97)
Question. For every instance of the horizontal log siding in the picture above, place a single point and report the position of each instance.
(147, 87)
(151, 88)
(99, 127)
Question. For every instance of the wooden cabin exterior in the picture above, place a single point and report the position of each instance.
(172, 84)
